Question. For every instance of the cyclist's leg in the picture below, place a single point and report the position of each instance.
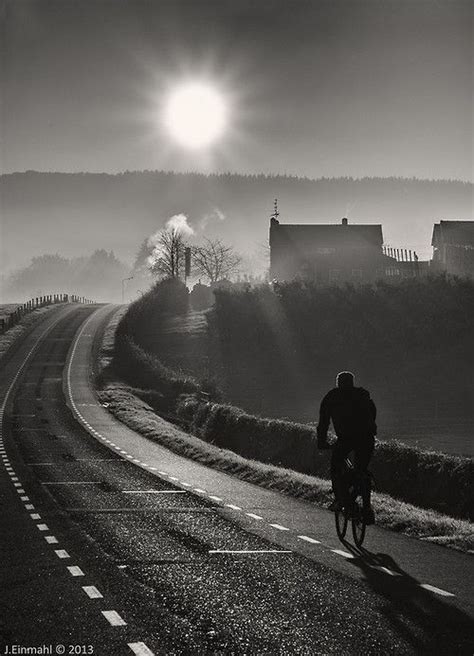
(362, 455)
(340, 451)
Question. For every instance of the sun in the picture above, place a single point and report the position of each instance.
(195, 115)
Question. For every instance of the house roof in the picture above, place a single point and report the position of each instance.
(453, 232)
(331, 235)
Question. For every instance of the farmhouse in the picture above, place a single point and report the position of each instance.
(328, 253)
(453, 247)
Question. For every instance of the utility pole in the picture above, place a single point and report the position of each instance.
(187, 263)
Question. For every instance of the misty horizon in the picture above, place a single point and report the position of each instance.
(243, 174)
(118, 211)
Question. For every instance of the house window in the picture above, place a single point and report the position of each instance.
(334, 275)
(392, 272)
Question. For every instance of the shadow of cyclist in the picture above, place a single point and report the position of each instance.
(427, 621)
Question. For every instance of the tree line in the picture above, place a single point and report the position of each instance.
(97, 276)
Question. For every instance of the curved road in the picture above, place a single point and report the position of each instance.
(111, 544)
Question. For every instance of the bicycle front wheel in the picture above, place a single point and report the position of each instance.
(341, 524)
(358, 522)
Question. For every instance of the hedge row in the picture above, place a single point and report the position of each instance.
(145, 371)
(426, 479)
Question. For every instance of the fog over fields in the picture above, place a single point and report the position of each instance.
(71, 214)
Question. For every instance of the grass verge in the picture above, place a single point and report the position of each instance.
(10, 337)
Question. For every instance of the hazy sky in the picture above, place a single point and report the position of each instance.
(314, 88)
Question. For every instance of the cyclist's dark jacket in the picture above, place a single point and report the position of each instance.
(352, 412)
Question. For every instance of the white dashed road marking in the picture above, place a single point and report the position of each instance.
(74, 570)
(61, 553)
(140, 649)
(308, 539)
(345, 554)
(51, 539)
(438, 591)
(42, 527)
(386, 570)
(279, 527)
(254, 516)
(232, 507)
(113, 618)
(92, 592)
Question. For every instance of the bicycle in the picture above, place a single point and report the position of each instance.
(353, 510)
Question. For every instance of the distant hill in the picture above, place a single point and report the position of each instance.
(74, 213)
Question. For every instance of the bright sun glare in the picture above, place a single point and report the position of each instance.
(195, 115)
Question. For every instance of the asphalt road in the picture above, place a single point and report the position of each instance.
(113, 545)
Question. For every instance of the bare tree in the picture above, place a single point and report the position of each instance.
(215, 260)
(167, 258)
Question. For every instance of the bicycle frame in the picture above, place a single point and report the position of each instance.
(354, 510)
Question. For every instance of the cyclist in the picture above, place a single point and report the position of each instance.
(353, 414)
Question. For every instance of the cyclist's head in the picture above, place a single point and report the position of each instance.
(345, 379)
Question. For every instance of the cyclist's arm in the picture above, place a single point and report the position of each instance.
(373, 414)
(323, 425)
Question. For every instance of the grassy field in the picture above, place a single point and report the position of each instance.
(183, 344)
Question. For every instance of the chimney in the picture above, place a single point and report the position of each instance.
(344, 221)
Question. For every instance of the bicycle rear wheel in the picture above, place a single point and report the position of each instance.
(358, 522)
(341, 523)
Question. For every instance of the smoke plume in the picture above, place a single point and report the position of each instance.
(215, 215)
(178, 223)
